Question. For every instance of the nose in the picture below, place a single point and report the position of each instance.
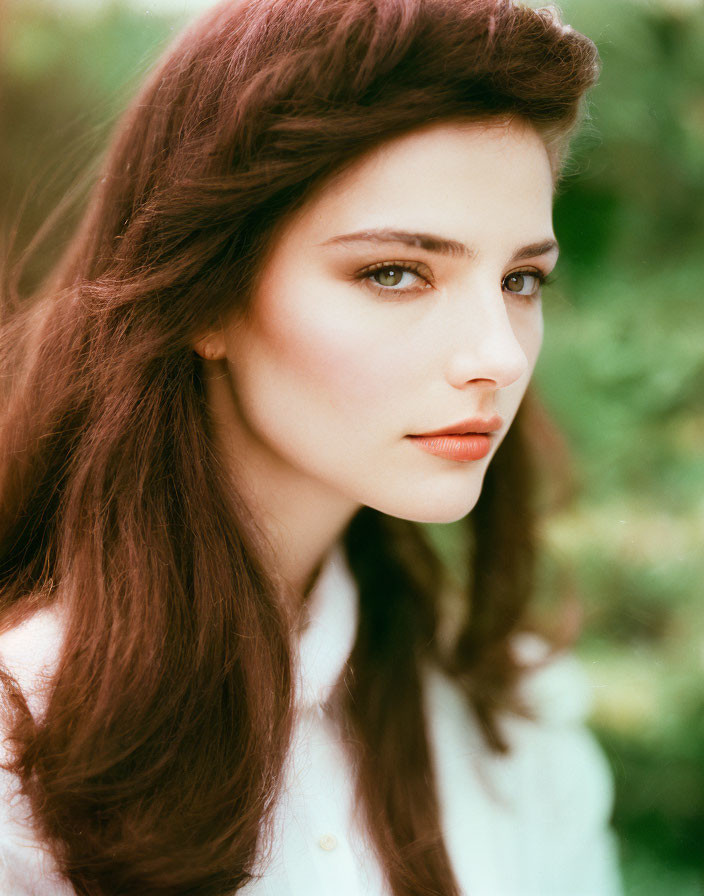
(484, 346)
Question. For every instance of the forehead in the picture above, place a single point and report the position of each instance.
(461, 178)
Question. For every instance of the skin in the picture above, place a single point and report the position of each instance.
(313, 396)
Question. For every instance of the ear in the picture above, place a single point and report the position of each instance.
(211, 346)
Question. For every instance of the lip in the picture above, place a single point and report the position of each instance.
(471, 425)
(469, 446)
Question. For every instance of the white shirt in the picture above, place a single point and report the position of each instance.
(533, 823)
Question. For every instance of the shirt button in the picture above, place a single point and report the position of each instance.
(328, 842)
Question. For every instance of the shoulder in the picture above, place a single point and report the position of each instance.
(550, 756)
(29, 652)
(27, 867)
(570, 778)
(548, 801)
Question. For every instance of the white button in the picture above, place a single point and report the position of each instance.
(328, 842)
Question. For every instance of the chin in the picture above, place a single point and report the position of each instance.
(423, 505)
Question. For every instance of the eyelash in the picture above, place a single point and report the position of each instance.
(417, 268)
(420, 270)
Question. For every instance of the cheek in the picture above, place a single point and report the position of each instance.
(529, 332)
(330, 353)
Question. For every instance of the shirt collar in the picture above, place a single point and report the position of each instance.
(326, 642)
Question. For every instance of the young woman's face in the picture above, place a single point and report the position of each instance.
(401, 300)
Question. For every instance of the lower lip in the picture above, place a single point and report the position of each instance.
(472, 446)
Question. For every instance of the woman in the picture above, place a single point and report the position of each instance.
(318, 239)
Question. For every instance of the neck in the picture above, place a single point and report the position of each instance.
(301, 517)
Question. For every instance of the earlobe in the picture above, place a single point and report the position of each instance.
(211, 347)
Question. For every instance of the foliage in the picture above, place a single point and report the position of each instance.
(623, 372)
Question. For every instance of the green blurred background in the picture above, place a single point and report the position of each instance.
(622, 369)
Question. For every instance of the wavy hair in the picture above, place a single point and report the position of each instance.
(157, 762)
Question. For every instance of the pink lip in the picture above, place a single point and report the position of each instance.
(472, 425)
(471, 446)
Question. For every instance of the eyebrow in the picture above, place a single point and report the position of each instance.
(432, 243)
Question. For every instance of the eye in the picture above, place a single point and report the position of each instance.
(393, 277)
(524, 283)
(396, 277)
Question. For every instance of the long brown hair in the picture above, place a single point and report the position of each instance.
(157, 762)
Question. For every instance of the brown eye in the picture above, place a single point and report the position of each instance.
(515, 282)
(523, 283)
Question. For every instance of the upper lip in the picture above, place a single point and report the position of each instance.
(473, 424)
